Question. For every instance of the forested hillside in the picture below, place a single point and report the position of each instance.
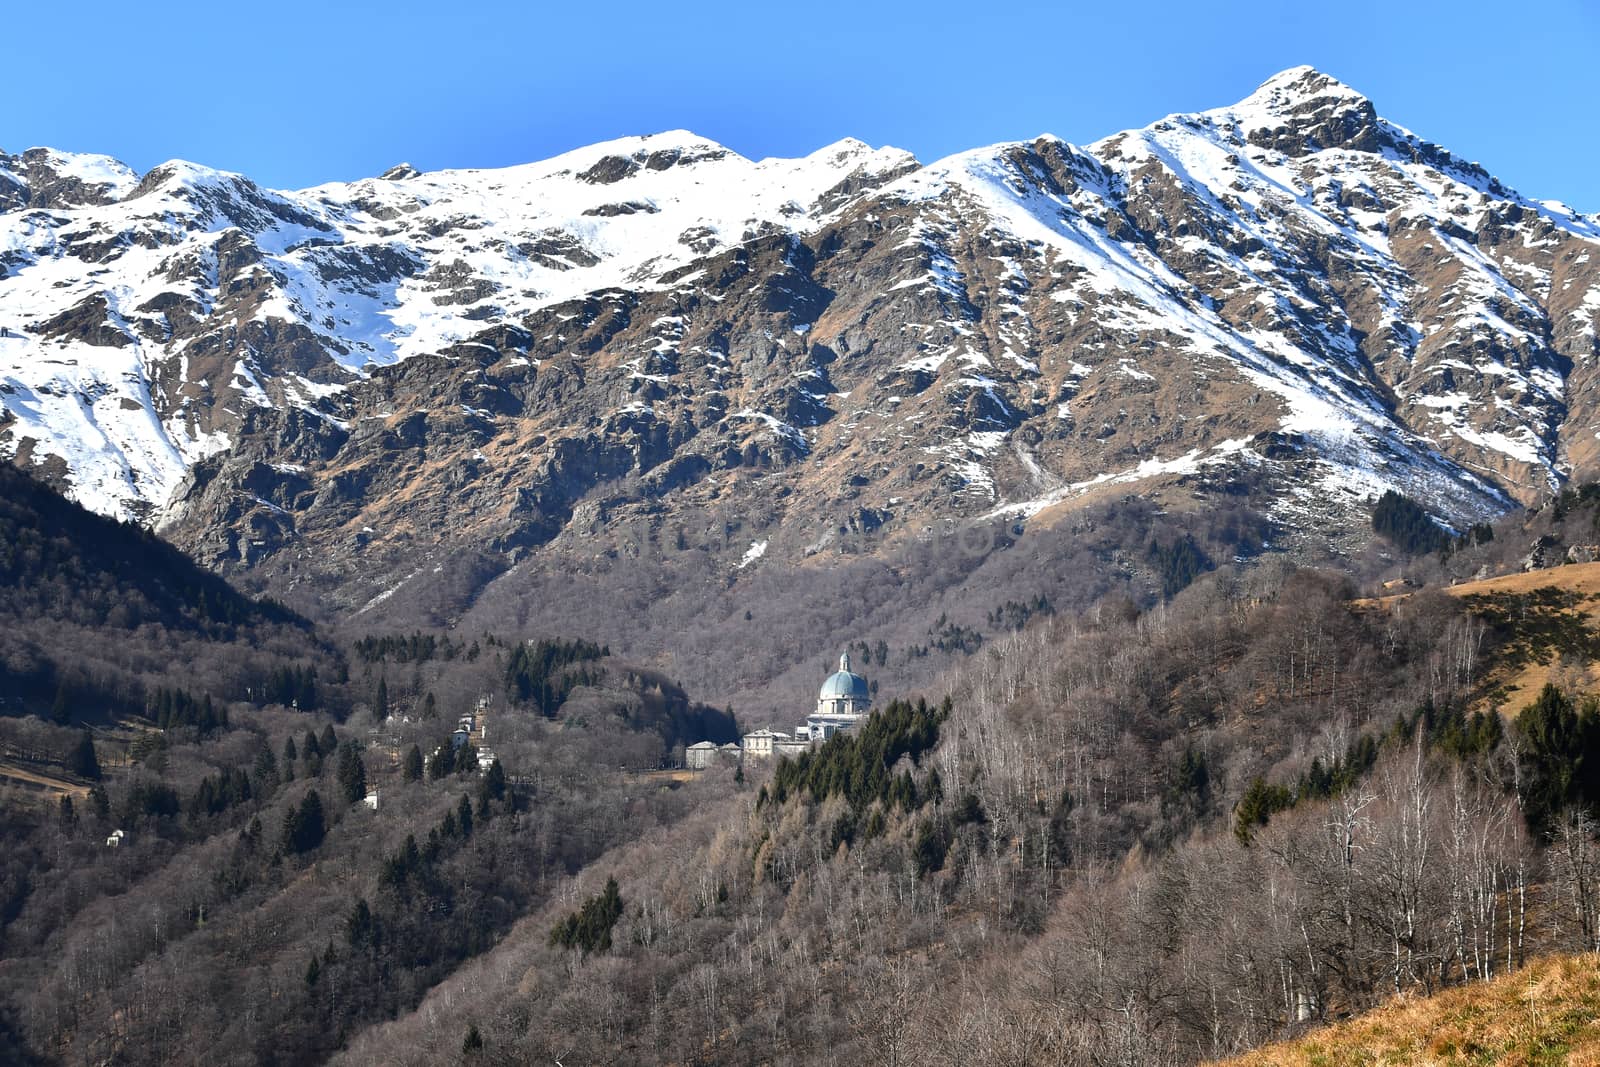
(97, 616)
(1155, 831)
(1124, 837)
(235, 839)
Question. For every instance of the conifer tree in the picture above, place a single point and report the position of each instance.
(304, 827)
(81, 760)
(589, 928)
(359, 926)
(352, 773)
(494, 782)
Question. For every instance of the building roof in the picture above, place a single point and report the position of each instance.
(703, 745)
(844, 685)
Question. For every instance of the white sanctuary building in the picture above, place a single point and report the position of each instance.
(845, 699)
(843, 702)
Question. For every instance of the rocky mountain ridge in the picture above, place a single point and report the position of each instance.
(655, 345)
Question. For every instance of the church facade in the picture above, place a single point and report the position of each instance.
(844, 700)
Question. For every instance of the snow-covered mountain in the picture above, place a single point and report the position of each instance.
(145, 317)
(1290, 301)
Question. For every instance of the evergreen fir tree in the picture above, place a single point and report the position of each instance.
(360, 926)
(495, 781)
(589, 928)
(81, 760)
(352, 773)
(304, 827)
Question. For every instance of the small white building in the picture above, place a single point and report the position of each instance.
(486, 759)
(117, 839)
(758, 743)
(700, 755)
(459, 738)
(371, 800)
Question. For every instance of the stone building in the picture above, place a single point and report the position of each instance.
(844, 700)
(759, 743)
(703, 754)
(700, 755)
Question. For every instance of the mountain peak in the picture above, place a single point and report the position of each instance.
(850, 151)
(46, 177)
(182, 176)
(399, 172)
(1302, 110)
(1303, 83)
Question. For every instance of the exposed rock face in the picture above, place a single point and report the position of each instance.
(45, 179)
(1289, 301)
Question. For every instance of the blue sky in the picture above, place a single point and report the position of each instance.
(294, 93)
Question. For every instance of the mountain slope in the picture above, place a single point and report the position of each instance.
(163, 312)
(656, 351)
(97, 615)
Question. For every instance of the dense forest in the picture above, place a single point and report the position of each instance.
(1137, 830)
(97, 615)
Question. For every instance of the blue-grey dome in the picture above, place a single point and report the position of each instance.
(844, 685)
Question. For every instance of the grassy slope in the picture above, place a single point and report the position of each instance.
(1523, 671)
(1547, 1013)
(1522, 681)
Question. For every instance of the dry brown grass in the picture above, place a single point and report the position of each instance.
(1513, 688)
(1547, 1013)
(1577, 577)
(1519, 686)
(42, 779)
